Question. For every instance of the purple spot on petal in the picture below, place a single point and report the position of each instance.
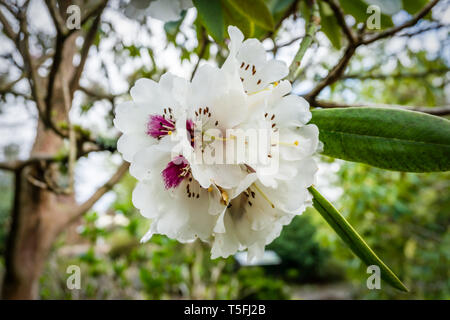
(175, 172)
(190, 130)
(158, 126)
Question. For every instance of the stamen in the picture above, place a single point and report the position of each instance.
(175, 172)
(225, 197)
(264, 195)
(289, 144)
(159, 126)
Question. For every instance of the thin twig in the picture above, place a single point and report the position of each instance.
(202, 52)
(392, 31)
(340, 17)
(418, 75)
(336, 72)
(313, 26)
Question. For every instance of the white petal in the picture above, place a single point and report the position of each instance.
(225, 244)
(291, 110)
(299, 143)
(226, 176)
(129, 144)
(274, 70)
(149, 161)
(144, 91)
(236, 37)
(131, 117)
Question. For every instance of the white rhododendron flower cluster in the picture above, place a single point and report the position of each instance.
(182, 140)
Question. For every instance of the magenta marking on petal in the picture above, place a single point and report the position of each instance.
(175, 172)
(190, 130)
(158, 126)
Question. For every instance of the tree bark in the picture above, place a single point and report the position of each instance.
(39, 215)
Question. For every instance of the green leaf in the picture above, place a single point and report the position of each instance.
(256, 11)
(173, 27)
(279, 8)
(211, 16)
(391, 139)
(330, 25)
(413, 6)
(358, 9)
(352, 238)
(234, 18)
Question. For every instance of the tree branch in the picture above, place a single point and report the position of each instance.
(115, 178)
(337, 71)
(392, 31)
(311, 29)
(202, 52)
(7, 28)
(24, 48)
(340, 17)
(56, 17)
(395, 75)
(17, 165)
(88, 40)
(423, 30)
(96, 10)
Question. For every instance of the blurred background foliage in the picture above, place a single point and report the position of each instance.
(404, 217)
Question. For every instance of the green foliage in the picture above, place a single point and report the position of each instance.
(255, 285)
(302, 258)
(404, 216)
(6, 202)
(211, 16)
(417, 79)
(358, 9)
(173, 27)
(330, 25)
(234, 17)
(253, 17)
(386, 138)
(413, 6)
(256, 11)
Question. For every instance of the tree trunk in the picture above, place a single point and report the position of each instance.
(39, 215)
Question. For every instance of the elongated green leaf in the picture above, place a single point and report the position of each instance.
(353, 239)
(211, 16)
(391, 139)
(256, 11)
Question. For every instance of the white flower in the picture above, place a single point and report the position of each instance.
(164, 10)
(151, 114)
(235, 204)
(256, 216)
(167, 194)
